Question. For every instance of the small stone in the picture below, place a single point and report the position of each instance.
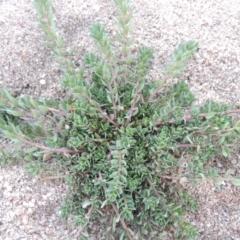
(20, 211)
(96, 7)
(219, 164)
(35, 236)
(25, 220)
(234, 161)
(30, 211)
(11, 214)
(42, 81)
(9, 188)
(49, 231)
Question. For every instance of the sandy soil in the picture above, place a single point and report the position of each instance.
(29, 206)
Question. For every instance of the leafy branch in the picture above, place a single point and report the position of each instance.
(122, 141)
(117, 212)
(59, 150)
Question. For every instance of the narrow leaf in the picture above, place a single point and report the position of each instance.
(15, 113)
(210, 115)
(86, 203)
(236, 182)
(34, 103)
(59, 41)
(10, 98)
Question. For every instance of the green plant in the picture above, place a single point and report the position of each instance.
(126, 145)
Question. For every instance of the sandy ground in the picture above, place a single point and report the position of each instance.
(29, 206)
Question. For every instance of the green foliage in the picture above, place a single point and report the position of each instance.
(126, 145)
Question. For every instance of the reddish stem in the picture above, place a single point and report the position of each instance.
(189, 116)
(157, 89)
(187, 145)
(156, 192)
(59, 150)
(87, 216)
(154, 189)
(117, 213)
(105, 115)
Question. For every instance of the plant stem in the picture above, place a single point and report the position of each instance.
(186, 117)
(56, 110)
(58, 150)
(132, 107)
(87, 216)
(29, 114)
(187, 145)
(122, 222)
(158, 88)
(156, 192)
(154, 189)
(117, 213)
(113, 100)
(104, 114)
(113, 73)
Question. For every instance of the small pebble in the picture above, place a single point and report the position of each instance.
(42, 81)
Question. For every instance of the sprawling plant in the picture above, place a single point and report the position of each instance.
(126, 145)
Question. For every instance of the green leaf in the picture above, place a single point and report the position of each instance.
(118, 218)
(183, 180)
(14, 113)
(53, 25)
(30, 150)
(10, 135)
(135, 111)
(236, 182)
(70, 63)
(225, 151)
(38, 154)
(210, 115)
(10, 98)
(104, 203)
(72, 50)
(113, 175)
(36, 113)
(126, 30)
(2, 123)
(109, 99)
(43, 108)
(38, 7)
(114, 162)
(46, 37)
(144, 231)
(219, 182)
(188, 138)
(123, 179)
(59, 52)
(86, 203)
(59, 41)
(119, 38)
(124, 171)
(122, 236)
(85, 234)
(44, 27)
(128, 18)
(130, 42)
(161, 235)
(114, 224)
(51, 44)
(2, 102)
(222, 140)
(34, 103)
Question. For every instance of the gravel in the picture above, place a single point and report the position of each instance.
(29, 205)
